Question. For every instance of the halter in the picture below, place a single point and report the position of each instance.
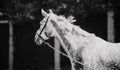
(39, 35)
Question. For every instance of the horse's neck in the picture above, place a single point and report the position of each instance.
(71, 41)
(76, 41)
(60, 36)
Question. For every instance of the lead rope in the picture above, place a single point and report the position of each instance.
(65, 54)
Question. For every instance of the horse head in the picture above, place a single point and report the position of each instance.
(47, 28)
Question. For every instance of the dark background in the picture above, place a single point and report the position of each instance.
(28, 55)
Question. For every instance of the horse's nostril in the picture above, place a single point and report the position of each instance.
(37, 40)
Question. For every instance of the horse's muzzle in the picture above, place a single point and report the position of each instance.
(38, 40)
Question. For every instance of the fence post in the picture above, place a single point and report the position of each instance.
(57, 54)
(10, 46)
(110, 25)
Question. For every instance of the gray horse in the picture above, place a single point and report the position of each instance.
(96, 53)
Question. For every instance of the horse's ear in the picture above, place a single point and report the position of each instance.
(44, 13)
(51, 11)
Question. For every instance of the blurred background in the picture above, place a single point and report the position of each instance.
(19, 20)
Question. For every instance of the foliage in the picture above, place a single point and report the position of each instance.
(22, 10)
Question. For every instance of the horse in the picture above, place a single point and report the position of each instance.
(95, 52)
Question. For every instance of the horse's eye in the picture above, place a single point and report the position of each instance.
(40, 24)
(60, 20)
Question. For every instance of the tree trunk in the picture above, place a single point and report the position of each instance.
(57, 54)
(10, 46)
(110, 25)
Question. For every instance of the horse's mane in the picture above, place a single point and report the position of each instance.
(69, 25)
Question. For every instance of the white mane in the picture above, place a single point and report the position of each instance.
(69, 26)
